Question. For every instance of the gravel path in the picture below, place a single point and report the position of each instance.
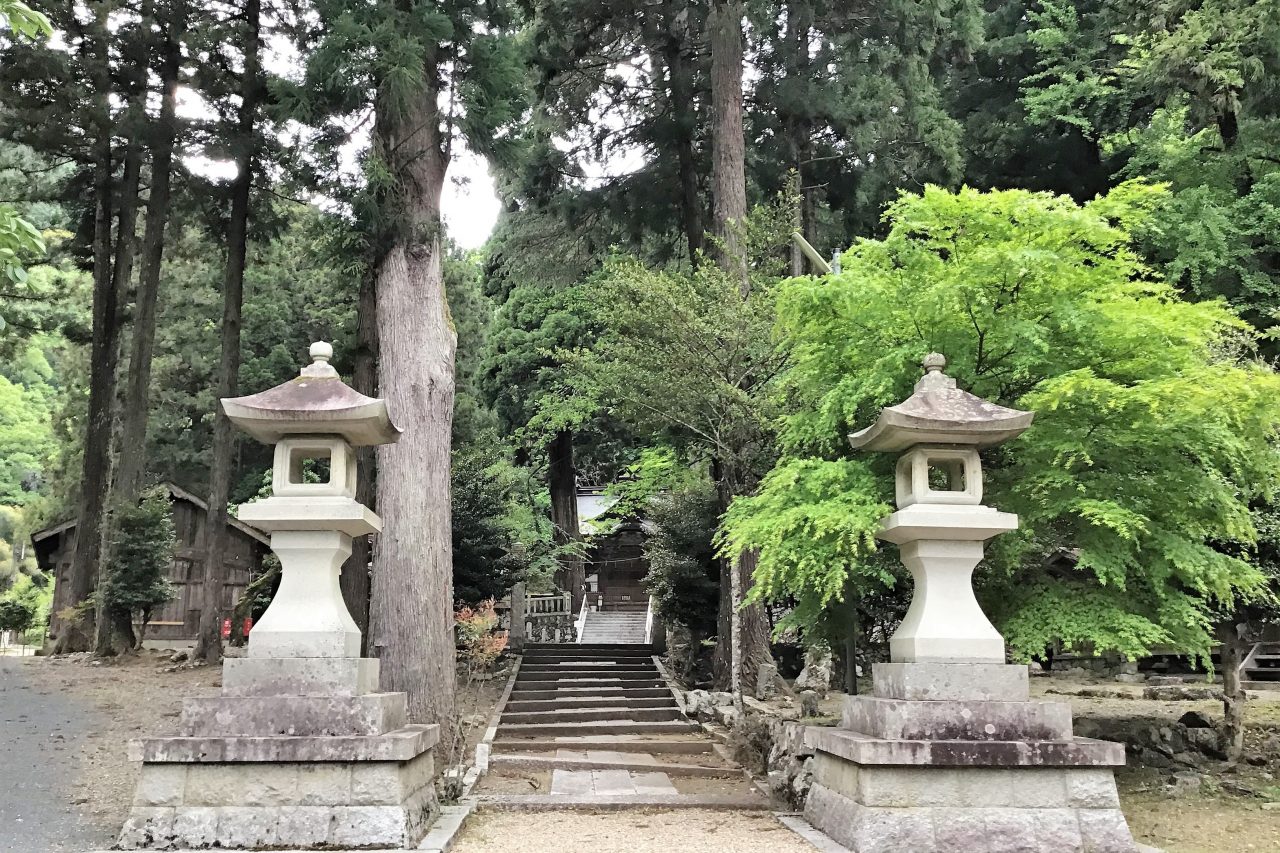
(42, 730)
(688, 831)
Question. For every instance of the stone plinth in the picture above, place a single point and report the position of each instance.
(955, 758)
(332, 766)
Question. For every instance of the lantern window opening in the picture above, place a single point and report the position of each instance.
(312, 466)
(933, 474)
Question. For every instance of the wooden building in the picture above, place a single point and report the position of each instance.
(178, 621)
(616, 565)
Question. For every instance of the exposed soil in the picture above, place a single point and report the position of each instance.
(1211, 821)
(82, 767)
(88, 776)
(688, 831)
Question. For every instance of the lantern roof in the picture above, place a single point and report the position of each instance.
(317, 402)
(940, 413)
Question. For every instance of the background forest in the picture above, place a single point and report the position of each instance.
(210, 187)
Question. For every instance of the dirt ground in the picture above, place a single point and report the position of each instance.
(691, 831)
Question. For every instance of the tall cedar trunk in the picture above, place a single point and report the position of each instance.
(562, 482)
(355, 571)
(798, 129)
(750, 634)
(95, 485)
(738, 659)
(209, 643)
(728, 151)
(684, 114)
(1233, 695)
(411, 608)
(133, 430)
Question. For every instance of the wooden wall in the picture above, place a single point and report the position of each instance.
(179, 619)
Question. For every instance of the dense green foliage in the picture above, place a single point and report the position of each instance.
(684, 574)
(142, 549)
(1155, 427)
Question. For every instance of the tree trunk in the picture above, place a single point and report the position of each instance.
(797, 66)
(728, 147)
(742, 645)
(411, 608)
(562, 482)
(133, 432)
(682, 103)
(95, 484)
(354, 580)
(209, 643)
(748, 629)
(110, 638)
(1233, 695)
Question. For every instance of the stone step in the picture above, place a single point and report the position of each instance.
(569, 674)
(595, 802)
(585, 653)
(1260, 685)
(591, 715)
(1267, 661)
(596, 681)
(579, 647)
(571, 702)
(1256, 674)
(664, 746)
(543, 762)
(620, 693)
(641, 665)
(601, 727)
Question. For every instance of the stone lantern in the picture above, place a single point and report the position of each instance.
(300, 751)
(950, 754)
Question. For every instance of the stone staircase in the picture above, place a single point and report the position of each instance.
(1262, 669)
(594, 725)
(614, 627)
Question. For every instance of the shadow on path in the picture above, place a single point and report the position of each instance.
(40, 737)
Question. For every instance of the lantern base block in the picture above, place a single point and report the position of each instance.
(321, 804)
(297, 753)
(954, 758)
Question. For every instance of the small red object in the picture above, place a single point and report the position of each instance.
(248, 625)
(226, 629)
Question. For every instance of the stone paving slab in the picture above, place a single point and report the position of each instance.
(571, 783)
(648, 784)
(612, 783)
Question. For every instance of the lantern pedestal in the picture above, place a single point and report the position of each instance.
(953, 758)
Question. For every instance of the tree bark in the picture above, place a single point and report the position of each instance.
(354, 580)
(133, 431)
(113, 633)
(797, 67)
(562, 482)
(728, 146)
(738, 659)
(411, 608)
(74, 635)
(682, 102)
(209, 643)
(746, 626)
(1233, 695)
